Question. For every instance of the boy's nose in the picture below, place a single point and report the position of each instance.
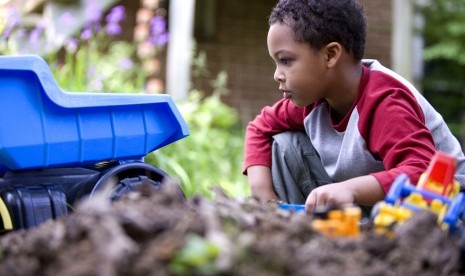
(278, 76)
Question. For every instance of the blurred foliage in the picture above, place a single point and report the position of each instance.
(94, 60)
(98, 67)
(196, 257)
(443, 83)
(444, 31)
(212, 154)
(97, 61)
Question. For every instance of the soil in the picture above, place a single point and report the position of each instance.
(159, 233)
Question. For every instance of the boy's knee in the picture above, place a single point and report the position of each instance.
(293, 142)
(289, 138)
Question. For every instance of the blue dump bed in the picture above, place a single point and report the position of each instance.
(42, 126)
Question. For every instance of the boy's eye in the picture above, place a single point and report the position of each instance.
(285, 61)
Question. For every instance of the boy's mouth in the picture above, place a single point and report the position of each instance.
(287, 94)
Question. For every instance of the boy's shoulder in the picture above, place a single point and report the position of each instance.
(379, 77)
(380, 86)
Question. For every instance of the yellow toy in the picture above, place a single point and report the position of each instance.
(437, 192)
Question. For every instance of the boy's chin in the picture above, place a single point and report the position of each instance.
(298, 103)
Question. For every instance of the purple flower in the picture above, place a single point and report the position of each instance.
(96, 84)
(36, 33)
(93, 12)
(158, 25)
(116, 14)
(159, 40)
(91, 71)
(113, 29)
(12, 22)
(96, 80)
(66, 20)
(158, 35)
(20, 33)
(87, 34)
(125, 63)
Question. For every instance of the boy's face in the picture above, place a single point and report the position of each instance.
(300, 70)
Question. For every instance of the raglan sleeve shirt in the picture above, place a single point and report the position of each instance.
(391, 122)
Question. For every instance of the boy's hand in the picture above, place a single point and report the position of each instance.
(329, 195)
(363, 190)
(260, 183)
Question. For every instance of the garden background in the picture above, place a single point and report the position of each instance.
(121, 46)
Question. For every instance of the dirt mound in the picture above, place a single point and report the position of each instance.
(159, 233)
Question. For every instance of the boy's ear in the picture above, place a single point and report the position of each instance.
(333, 52)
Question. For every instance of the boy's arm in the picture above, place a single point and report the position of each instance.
(398, 135)
(282, 116)
(261, 187)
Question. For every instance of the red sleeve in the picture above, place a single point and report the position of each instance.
(396, 133)
(282, 116)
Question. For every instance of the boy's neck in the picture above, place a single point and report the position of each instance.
(346, 85)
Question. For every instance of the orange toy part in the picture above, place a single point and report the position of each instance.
(439, 177)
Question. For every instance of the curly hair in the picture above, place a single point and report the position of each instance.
(319, 22)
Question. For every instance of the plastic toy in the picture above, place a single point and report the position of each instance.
(57, 147)
(342, 221)
(338, 222)
(292, 207)
(436, 192)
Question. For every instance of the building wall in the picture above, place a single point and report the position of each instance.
(238, 45)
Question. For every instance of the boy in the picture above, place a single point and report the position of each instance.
(356, 124)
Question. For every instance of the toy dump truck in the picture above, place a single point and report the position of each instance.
(57, 147)
(436, 191)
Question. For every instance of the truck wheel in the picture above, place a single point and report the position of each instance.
(125, 178)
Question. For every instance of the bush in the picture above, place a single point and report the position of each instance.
(211, 155)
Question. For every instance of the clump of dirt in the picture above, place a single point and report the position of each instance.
(159, 233)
